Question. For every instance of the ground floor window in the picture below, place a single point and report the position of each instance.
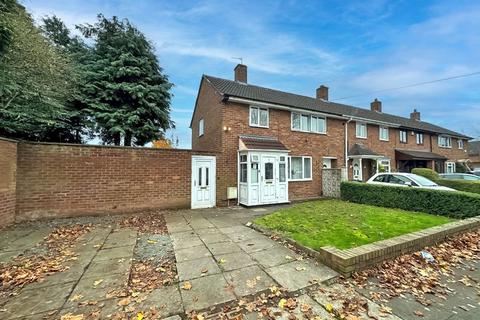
(300, 168)
(383, 165)
(243, 168)
(449, 167)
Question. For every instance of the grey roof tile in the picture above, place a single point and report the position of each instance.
(248, 91)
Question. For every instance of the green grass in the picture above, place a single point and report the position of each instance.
(343, 224)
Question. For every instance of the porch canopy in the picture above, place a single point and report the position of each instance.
(251, 142)
(359, 151)
(417, 155)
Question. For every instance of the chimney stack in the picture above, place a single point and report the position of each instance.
(376, 105)
(415, 115)
(322, 92)
(241, 73)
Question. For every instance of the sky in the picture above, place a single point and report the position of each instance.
(354, 47)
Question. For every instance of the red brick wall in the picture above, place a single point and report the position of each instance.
(71, 180)
(8, 172)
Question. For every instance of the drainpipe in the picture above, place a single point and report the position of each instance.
(346, 145)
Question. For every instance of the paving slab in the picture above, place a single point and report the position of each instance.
(96, 288)
(30, 302)
(192, 253)
(200, 223)
(120, 238)
(9, 255)
(178, 227)
(274, 256)
(96, 236)
(221, 248)
(300, 274)
(105, 309)
(206, 292)
(106, 267)
(257, 244)
(189, 242)
(166, 300)
(237, 229)
(249, 280)
(74, 273)
(175, 317)
(223, 222)
(235, 260)
(183, 235)
(197, 268)
(214, 237)
(114, 253)
(28, 241)
(9, 236)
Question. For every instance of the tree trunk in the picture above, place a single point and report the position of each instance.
(116, 139)
(128, 139)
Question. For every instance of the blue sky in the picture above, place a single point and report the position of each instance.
(295, 46)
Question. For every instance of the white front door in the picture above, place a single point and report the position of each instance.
(203, 182)
(357, 169)
(268, 179)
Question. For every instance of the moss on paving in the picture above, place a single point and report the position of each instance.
(345, 225)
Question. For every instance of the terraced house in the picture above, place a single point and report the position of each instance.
(274, 145)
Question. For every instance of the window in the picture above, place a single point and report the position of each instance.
(307, 123)
(460, 143)
(268, 171)
(419, 137)
(258, 117)
(403, 136)
(254, 172)
(449, 167)
(201, 127)
(444, 142)
(243, 168)
(383, 165)
(361, 130)
(300, 168)
(383, 133)
(282, 170)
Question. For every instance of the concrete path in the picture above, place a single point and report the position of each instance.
(223, 260)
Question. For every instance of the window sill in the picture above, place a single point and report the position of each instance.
(299, 180)
(258, 126)
(445, 147)
(358, 137)
(313, 132)
(387, 140)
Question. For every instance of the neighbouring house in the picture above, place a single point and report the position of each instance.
(474, 155)
(272, 145)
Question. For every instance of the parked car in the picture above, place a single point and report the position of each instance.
(459, 176)
(406, 180)
(475, 172)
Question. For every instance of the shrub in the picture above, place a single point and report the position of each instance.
(447, 203)
(461, 185)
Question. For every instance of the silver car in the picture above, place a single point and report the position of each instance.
(401, 179)
(459, 176)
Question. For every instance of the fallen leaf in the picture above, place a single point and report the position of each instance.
(187, 285)
(204, 270)
(76, 297)
(329, 307)
(281, 303)
(151, 241)
(124, 302)
(221, 261)
(288, 258)
(419, 313)
(71, 316)
(96, 283)
(139, 316)
(300, 268)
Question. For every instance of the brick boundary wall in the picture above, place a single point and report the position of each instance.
(67, 180)
(8, 173)
(351, 260)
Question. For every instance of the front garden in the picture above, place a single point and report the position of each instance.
(344, 224)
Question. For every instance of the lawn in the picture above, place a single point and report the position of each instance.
(345, 225)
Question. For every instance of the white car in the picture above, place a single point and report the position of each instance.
(401, 179)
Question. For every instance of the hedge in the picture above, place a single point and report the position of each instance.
(461, 185)
(446, 203)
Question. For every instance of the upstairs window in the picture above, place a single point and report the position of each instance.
(308, 123)
(403, 136)
(201, 127)
(419, 138)
(444, 142)
(460, 144)
(384, 136)
(361, 130)
(258, 117)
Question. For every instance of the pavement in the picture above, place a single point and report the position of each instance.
(219, 261)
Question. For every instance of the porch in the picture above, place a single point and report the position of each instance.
(410, 159)
(365, 163)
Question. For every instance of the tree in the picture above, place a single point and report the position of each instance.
(128, 94)
(35, 78)
(78, 124)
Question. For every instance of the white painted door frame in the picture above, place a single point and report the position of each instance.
(202, 189)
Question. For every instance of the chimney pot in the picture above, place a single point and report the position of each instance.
(322, 92)
(376, 105)
(241, 73)
(415, 115)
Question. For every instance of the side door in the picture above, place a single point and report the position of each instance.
(203, 182)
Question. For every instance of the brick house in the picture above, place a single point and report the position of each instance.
(271, 145)
(474, 155)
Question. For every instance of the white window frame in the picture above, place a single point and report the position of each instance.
(258, 109)
(380, 128)
(303, 168)
(450, 165)
(384, 163)
(359, 125)
(448, 141)
(460, 144)
(417, 136)
(201, 127)
(400, 136)
(310, 118)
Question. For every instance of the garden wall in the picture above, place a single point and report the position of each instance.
(65, 180)
(8, 171)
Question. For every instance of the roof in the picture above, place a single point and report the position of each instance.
(417, 155)
(474, 148)
(262, 143)
(248, 91)
(360, 150)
